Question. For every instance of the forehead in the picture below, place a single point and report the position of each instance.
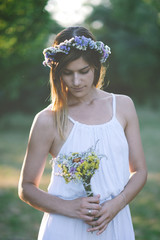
(77, 64)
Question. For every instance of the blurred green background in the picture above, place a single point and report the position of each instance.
(132, 30)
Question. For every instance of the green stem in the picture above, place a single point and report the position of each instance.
(88, 189)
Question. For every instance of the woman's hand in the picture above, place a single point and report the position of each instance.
(108, 211)
(85, 208)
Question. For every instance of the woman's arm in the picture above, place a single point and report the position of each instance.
(40, 141)
(137, 167)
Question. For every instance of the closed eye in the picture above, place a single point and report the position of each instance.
(84, 72)
(67, 73)
(70, 73)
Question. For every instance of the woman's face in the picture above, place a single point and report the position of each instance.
(78, 76)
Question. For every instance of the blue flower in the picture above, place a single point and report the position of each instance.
(91, 44)
(85, 41)
(62, 47)
(77, 40)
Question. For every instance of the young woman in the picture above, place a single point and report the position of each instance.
(81, 117)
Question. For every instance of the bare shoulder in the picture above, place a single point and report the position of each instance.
(125, 108)
(44, 122)
(124, 101)
(45, 117)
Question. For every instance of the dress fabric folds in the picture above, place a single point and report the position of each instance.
(108, 181)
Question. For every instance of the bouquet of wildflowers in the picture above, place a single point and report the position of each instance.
(79, 167)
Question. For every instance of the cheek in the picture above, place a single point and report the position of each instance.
(91, 78)
(65, 80)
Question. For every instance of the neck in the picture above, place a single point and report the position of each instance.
(86, 99)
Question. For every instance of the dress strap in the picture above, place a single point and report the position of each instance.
(114, 105)
(72, 120)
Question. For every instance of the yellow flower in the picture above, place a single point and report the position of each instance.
(75, 153)
(97, 166)
(77, 175)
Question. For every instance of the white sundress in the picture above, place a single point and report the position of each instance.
(108, 181)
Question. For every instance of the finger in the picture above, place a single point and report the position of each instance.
(99, 214)
(91, 212)
(93, 228)
(87, 205)
(87, 218)
(95, 199)
(98, 224)
(94, 222)
(102, 230)
(97, 228)
(97, 221)
(94, 206)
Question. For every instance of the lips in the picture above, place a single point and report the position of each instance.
(78, 89)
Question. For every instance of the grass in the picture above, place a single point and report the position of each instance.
(18, 221)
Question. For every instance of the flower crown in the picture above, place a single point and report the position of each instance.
(79, 42)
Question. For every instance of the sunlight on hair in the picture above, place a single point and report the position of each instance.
(68, 12)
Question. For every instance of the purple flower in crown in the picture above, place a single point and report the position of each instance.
(91, 44)
(47, 54)
(105, 55)
(85, 41)
(104, 58)
(68, 49)
(64, 48)
(101, 47)
(50, 57)
(77, 40)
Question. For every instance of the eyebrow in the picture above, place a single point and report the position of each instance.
(78, 69)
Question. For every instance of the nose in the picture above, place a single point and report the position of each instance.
(76, 79)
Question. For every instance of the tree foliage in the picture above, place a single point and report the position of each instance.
(132, 30)
(24, 30)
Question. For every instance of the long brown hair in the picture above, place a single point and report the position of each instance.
(58, 88)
